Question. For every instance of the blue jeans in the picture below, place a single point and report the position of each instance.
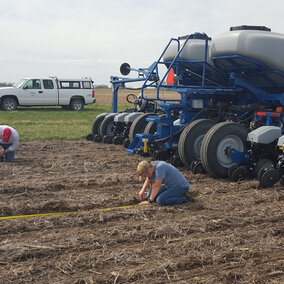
(170, 196)
(9, 156)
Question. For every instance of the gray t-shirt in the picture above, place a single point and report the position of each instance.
(171, 176)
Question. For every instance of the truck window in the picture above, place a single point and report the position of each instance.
(75, 85)
(87, 85)
(33, 84)
(70, 84)
(48, 84)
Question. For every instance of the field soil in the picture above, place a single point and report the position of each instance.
(233, 233)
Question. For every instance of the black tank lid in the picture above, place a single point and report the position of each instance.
(255, 28)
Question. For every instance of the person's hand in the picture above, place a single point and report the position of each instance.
(1, 153)
(145, 202)
(141, 194)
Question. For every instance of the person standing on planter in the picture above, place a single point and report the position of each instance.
(9, 140)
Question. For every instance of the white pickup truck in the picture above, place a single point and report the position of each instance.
(73, 94)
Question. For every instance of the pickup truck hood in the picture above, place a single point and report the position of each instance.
(4, 90)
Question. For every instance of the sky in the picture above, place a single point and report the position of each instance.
(92, 38)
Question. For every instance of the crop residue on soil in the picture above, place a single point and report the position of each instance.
(233, 234)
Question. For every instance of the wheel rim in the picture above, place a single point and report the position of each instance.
(110, 128)
(9, 105)
(216, 145)
(197, 145)
(190, 141)
(77, 105)
(227, 143)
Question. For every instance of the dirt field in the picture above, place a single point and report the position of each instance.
(234, 233)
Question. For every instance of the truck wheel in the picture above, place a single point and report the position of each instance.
(216, 145)
(191, 138)
(9, 104)
(77, 104)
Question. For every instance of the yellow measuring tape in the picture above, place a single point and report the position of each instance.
(74, 212)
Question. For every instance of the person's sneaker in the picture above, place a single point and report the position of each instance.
(189, 197)
(2, 159)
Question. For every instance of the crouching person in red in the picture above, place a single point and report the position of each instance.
(9, 140)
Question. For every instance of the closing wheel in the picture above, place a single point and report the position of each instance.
(231, 170)
(90, 137)
(176, 161)
(264, 169)
(239, 173)
(138, 125)
(261, 164)
(97, 123)
(117, 140)
(196, 167)
(269, 177)
(216, 145)
(107, 139)
(191, 138)
(126, 142)
(98, 138)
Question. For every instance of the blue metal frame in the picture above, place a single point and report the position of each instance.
(120, 82)
(250, 74)
(245, 79)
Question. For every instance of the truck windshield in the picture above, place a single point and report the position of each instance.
(21, 83)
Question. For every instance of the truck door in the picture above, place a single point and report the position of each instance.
(31, 93)
(50, 92)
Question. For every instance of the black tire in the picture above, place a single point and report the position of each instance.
(150, 128)
(77, 105)
(97, 123)
(9, 104)
(219, 139)
(138, 125)
(107, 124)
(190, 140)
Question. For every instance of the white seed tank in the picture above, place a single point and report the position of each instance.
(259, 44)
(194, 50)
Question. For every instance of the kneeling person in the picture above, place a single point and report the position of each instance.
(168, 184)
(9, 140)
